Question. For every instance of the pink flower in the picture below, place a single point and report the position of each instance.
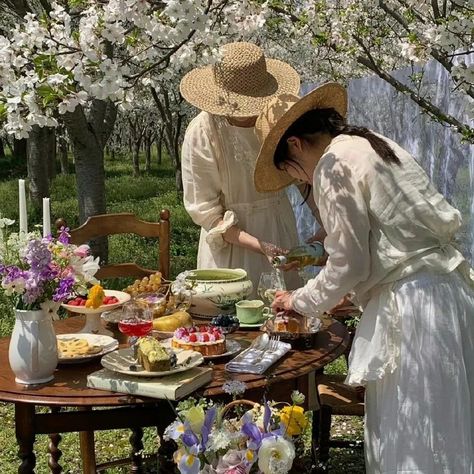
(82, 251)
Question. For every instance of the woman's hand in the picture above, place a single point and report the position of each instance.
(318, 237)
(282, 301)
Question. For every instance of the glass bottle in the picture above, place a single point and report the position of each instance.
(305, 255)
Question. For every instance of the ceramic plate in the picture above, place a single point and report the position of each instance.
(120, 295)
(251, 326)
(123, 362)
(107, 343)
(233, 347)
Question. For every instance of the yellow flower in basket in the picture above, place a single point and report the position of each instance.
(95, 297)
(294, 419)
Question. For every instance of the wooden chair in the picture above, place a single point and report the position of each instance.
(335, 398)
(126, 223)
(104, 225)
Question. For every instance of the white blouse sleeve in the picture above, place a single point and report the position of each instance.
(201, 179)
(339, 197)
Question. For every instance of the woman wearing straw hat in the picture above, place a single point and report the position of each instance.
(239, 227)
(389, 240)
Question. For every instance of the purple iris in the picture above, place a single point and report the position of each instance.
(207, 426)
(253, 433)
(190, 439)
(64, 289)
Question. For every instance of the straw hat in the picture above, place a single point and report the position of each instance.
(240, 83)
(275, 119)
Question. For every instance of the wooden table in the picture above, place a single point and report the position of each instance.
(69, 389)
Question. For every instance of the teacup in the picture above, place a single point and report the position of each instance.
(252, 311)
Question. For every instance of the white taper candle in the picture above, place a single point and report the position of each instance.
(46, 218)
(22, 204)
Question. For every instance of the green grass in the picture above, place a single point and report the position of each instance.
(144, 196)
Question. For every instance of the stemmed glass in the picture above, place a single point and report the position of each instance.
(269, 284)
(136, 321)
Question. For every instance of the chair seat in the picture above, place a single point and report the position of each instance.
(343, 399)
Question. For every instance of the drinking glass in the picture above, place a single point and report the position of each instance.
(136, 321)
(269, 284)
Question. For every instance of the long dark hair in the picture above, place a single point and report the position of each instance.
(331, 122)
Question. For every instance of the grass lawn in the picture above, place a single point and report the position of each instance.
(145, 196)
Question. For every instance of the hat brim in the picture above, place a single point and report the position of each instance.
(200, 89)
(267, 177)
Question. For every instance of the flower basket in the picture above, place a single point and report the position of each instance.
(241, 437)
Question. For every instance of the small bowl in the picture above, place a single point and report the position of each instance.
(227, 329)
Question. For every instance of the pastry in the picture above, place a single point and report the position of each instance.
(207, 340)
(173, 321)
(152, 356)
(288, 323)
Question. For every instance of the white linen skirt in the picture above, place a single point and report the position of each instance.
(420, 416)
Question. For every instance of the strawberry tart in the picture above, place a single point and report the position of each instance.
(207, 340)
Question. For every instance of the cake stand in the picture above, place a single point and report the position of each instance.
(93, 315)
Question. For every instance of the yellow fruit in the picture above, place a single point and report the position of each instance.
(173, 321)
(95, 297)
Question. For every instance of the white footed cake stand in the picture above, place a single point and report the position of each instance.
(93, 320)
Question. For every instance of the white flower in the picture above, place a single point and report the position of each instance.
(234, 387)
(297, 397)
(5, 222)
(219, 439)
(51, 307)
(276, 455)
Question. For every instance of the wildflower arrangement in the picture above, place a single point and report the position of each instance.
(42, 272)
(262, 440)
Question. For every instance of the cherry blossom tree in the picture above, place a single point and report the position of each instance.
(349, 38)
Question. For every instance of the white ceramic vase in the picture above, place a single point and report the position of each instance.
(33, 353)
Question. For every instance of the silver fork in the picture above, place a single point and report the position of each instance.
(270, 347)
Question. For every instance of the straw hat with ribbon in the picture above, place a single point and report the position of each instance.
(275, 119)
(240, 83)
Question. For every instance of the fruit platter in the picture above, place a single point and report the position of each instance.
(93, 305)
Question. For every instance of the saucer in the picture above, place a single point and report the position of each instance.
(253, 325)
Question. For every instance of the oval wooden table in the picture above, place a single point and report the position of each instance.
(69, 389)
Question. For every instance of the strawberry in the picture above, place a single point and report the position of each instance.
(192, 337)
(205, 337)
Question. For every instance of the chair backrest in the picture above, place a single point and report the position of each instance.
(103, 225)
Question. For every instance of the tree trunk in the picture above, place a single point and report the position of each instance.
(2, 150)
(19, 149)
(147, 155)
(37, 165)
(136, 158)
(90, 179)
(159, 146)
(88, 137)
(50, 146)
(63, 159)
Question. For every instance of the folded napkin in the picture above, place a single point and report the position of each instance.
(256, 361)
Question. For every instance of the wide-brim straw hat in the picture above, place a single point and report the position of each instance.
(275, 119)
(240, 83)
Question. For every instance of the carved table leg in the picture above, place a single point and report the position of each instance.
(54, 452)
(137, 448)
(167, 448)
(25, 436)
(87, 444)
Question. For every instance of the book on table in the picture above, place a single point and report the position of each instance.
(171, 387)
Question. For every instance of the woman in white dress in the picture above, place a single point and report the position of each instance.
(240, 228)
(390, 243)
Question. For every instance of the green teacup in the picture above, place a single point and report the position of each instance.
(252, 311)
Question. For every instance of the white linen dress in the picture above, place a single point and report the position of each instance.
(218, 160)
(390, 243)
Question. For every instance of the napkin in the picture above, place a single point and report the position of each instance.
(256, 361)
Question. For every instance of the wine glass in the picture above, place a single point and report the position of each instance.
(269, 284)
(136, 321)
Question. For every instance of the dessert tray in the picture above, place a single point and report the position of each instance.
(97, 346)
(123, 361)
